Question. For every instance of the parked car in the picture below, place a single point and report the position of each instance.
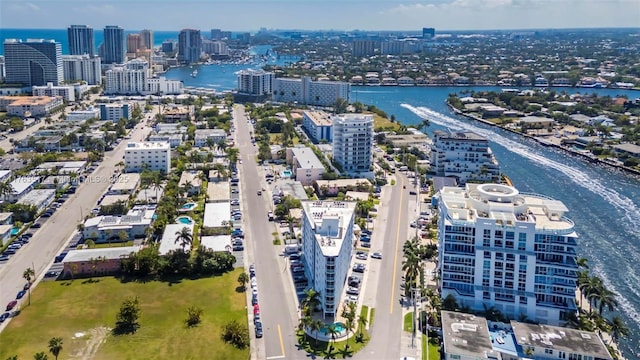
(26, 286)
(36, 225)
(4, 317)
(351, 299)
(9, 252)
(4, 257)
(51, 274)
(361, 255)
(376, 255)
(20, 294)
(11, 305)
(353, 291)
(365, 244)
(359, 268)
(259, 329)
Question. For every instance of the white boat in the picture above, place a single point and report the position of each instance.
(194, 73)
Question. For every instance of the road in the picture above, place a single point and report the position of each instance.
(54, 234)
(276, 295)
(387, 325)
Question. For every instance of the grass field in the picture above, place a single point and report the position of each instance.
(65, 308)
(380, 123)
(407, 323)
(276, 138)
(432, 353)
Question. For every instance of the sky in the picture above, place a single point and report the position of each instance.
(251, 15)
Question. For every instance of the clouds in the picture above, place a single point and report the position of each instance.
(249, 15)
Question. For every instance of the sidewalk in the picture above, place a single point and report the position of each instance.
(406, 348)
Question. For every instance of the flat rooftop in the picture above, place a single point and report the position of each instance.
(85, 255)
(466, 335)
(126, 182)
(168, 241)
(216, 243)
(319, 118)
(148, 145)
(30, 100)
(306, 158)
(560, 339)
(215, 214)
(112, 199)
(190, 177)
(458, 136)
(37, 197)
(218, 191)
(19, 185)
(330, 221)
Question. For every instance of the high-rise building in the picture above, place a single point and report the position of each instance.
(363, 47)
(82, 67)
(309, 92)
(353, 142)
(3, 73)
(327, 243)
(215, 48)
(147, 39)
(255, 82)
(507, 250)
(81, 40)
(33, 62)
(428, 33)
(64, 91)
(189, 46)
(464, 156)
(130, 78)
(134, 43)
(216, 34)
(168, 46)
(113, 51)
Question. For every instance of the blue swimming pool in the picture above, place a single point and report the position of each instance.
(14, 231)
(185, 220)
(188, 206)
(338, 326)
(286, 174)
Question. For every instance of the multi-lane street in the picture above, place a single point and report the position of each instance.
(56, 231)
(276, 294)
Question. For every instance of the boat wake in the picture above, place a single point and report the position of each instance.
(627, 209)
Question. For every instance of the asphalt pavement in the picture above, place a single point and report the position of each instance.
(276, 295)
(57, 230)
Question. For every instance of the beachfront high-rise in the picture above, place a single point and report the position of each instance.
(353, 142)
(308, 92)
(33, 62)
(327, 243)
(82, 67)
(81, 40)
(255, 82)
(113, 50)
(147, 39)
(465, 156)
(189, 46)
(515, 252)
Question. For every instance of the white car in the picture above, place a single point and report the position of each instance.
(351, 299)
(376, 255)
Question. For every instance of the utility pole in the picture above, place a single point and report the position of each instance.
(413, 323)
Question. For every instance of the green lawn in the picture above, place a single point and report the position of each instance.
(407, 323)
(113, 244)
(64, 308)
(276, 138)
(433, 351)
(322, 348)
(384, 124)
(372, 313)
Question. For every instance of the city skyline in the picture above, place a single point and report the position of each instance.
(338, 15)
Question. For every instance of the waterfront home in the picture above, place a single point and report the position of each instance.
(406, 81)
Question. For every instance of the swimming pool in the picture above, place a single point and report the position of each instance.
(185, 220)
(286, 174)
(188, 206)
(338, 326)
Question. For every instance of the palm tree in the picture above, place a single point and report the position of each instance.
(606, 298)
(40, 356)
(333, 331)
(311, 301)
(590, 288)
(362, 323)
(156, 183)
(243, 279)
(29, 275)
(55, 346)
(411, 266)
(6, 189)
(315, 327)
(184, 237)
(424, 125)
(582, 263)
(618, 329)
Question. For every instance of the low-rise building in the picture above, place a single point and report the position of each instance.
(93, 262)
(217, 215)
(174, 139)
(205, 136)
(170, 235)
(83, 115)
(108, 228)
(318, 125)
(177, 114)
(218, 191)
(21, 186)
(155, 156)
(56, 182)
(5, 175)
(327, 243)
(5, 234)
(333, 187)
(125, 184)
(39, 198)
(25, 106)
(114, 112)
(191, 181)
(305, 165)
(468, 337)
(627, 149)
(217, 243)
(218, 176)
(6, 218)
(65, 91)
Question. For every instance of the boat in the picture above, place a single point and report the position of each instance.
(194, 73)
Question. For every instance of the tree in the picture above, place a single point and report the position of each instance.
(127, 317)
(184, 237)
(40, 356)
(311, 301)
(243, 279)
(340, 106)
(449, 303)
(362, 323)
(55, 346)
(333, 332)
(29, 275)
(618, 329)
(6, 189)
(606, 298)
(234, 333)
(315, 326)
(194, 316)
